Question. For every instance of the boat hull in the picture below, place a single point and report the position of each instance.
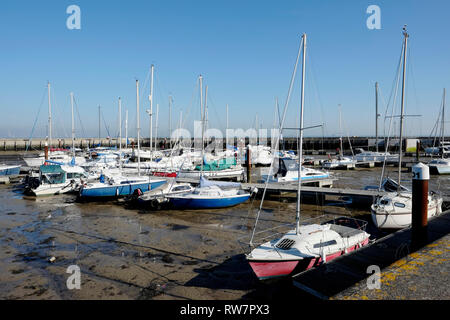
(265, 270)
(54, 189)
(114, 191)
(399, 220)
(207, 203)
(9, 170)
(439, 170)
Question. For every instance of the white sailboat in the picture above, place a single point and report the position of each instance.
(209, 194)
(120, 185)
(306, 245)
(442, 165)
(58, 156)
(394, 210)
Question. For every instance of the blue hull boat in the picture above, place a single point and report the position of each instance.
(210, 195)
(198, 203)
(125, 188)
(9, 170)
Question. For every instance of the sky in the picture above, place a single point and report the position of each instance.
(245, 50)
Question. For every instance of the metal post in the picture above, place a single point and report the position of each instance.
(419, 220)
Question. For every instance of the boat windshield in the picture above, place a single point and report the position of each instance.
(53, 178)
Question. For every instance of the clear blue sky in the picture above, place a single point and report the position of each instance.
(244, 49)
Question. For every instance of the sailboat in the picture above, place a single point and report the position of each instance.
(114, 186)
(441, 166)
(394, 210)
(56, 177)
(53, 155)
(340, 160)
(307, 245)
(209, 194)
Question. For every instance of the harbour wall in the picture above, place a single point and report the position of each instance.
(310, 144)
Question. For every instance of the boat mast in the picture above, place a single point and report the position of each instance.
(340, 130)
(443, 122)
(156, 128)
(376, 116)
(150, 97)
(405, 46)
(170, 121)
(99, 124)
(120, 124)
(126, 128)
(73, 125)
(203, 128)
(227, 120)
(138, 127)
(300, 151)
(120, 133)
(49, 117)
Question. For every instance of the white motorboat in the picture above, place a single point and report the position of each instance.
(58, 179)
(338, 162)
(288, 172)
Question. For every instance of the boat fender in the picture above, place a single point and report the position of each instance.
(117, 192)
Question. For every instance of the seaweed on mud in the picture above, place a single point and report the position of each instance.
(149, 292)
